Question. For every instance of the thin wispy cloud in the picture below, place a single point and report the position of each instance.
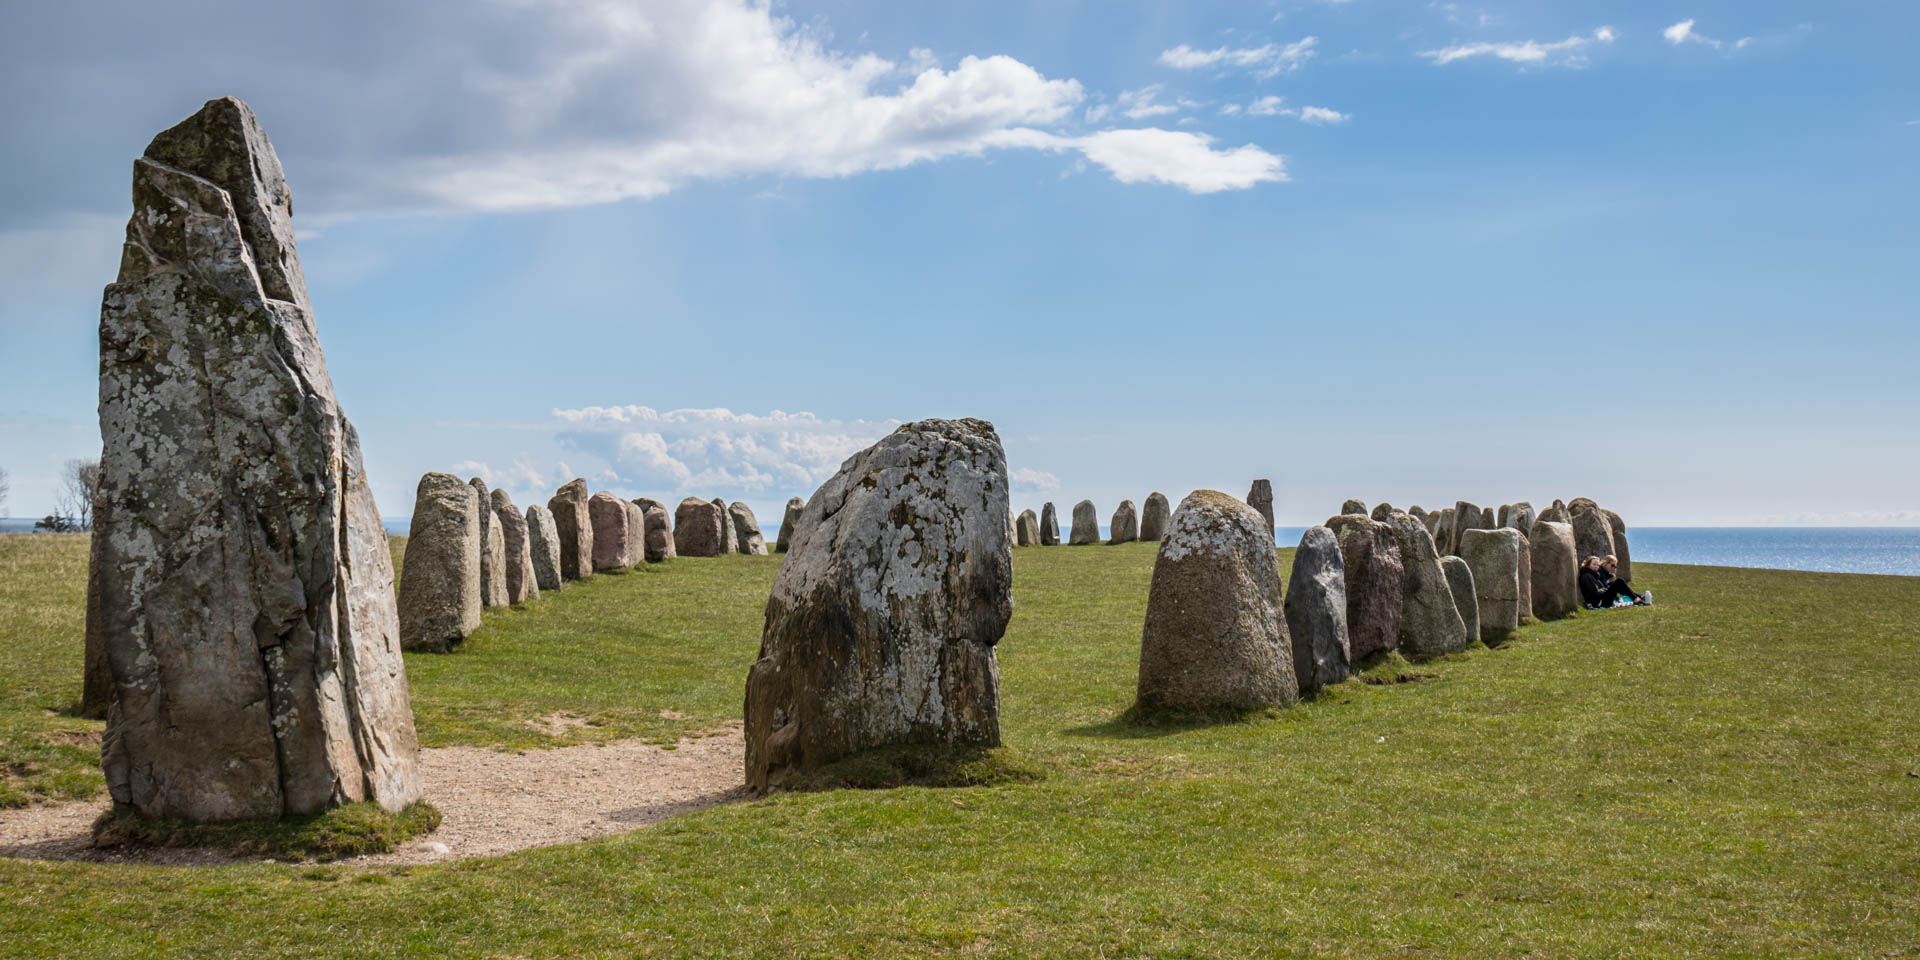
(1276, 106)
(1177, 158)
(1266, 60)
(1571, 52)
(1684, 33)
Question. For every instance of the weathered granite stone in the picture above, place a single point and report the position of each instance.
(493, 563)
(1354, 508)
(1027, 531)
(1466, 516)
(659, 530)
(1418, 513)
(246, 590)
(543, 546)
(1430, 625)
(1460, 586)
(1049, 526)
(1432, 522)
(794, 506)
(1519, 516)
(1621, 551)
(1381, 511)
(1580, 504)
(522, 583)
(1154, 515)
(728, 539)
(608, 514)
(1556, 587)
(883, 619)
(1375, 583)
(698, 529)
(1557, 513)
(1443, 534)
(1216, 634)
(1526, 575)
(1592, 536)
(96, 679)
(1086, 525)
(1125, 527)
(746, 530)
(440, 592)
(636, 535)
(1316, 608)
(574, 526)
(1486, 519)
(1494, 557)
(1260, 498)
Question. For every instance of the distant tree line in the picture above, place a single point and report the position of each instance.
(73, 510)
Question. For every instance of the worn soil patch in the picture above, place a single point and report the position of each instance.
(492, 802)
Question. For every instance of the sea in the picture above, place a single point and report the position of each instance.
(1894, 550)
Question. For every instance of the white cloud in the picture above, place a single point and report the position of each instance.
(1143, 103)
(1322, 115)
(1683, 32)
(1570, 52)
(1266, 60)
(716, 450)
(1275, 106)
(1029, 480)
(1268, 106)
(1172, 157)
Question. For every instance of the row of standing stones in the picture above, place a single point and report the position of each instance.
(1148, 523)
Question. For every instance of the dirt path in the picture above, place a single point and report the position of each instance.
(492, 802)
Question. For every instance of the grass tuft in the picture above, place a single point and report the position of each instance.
(353, 830)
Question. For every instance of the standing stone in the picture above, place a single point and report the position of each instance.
(96, 678)
(728, 543)
(1049, 526)
(1486, 520)
(1519, 516)
(1027, 531)
(1466, 516)
(522, 583)
(1444, 534)
(1557, 513)
(1430, 625)
(493, 569)
(746, 530)
(658, 533)
(1354, 508)
(574, 526)
(246, 589)
(1381, 511)
(543, 547)
(1580, 504)
(698, 529)
(1086, 525)
(1494, 558)
(1526, 577)
(636, 535)
(440, 586)
(1316, 608)
(794, 506)
(1375, 583)
(1154, 515)
(1621, 552)
(608, 514)
(1417, 513)
(1592, 537)
(1125, 527)
(1432, 522)
(1260, 498)
(1460, 586)
(1556, 585)
(1216, 634)
(883, 620)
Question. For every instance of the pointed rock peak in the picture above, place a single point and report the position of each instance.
(223, 144)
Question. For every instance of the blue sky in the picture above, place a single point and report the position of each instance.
(1661, 255)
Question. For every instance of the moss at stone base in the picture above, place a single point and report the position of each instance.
(884, 768)
(353, 830)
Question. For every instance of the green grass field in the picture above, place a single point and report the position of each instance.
(1731, 773)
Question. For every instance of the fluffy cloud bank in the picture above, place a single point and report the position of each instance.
(701, 450)
(1570, 52)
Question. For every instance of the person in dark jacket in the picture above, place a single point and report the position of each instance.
(1599, 589)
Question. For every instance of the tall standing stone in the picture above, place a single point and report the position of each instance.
(522, 583)
(96, 679)
(1556, 585)
(728, 538)
(574, 525)
(1354, 508)
(1556, 513)
(1621, 551)
(1486, 520)
(636, 535)
(1316, 609)
(440, 585)
(698, 530)
(1154, 515)
(882, 622)
(658, 534)
(1444, 536)
(1086, 525)
(1375, 583)
(1381, 511)
(1125, 527)
(1260, 498)
(1526, 575)
(794, 506)
(608, 514)
(543, 548)
(1027, 530)
(1519, 516)
(493, 551)
(1215, 636)
(1494, 558)
(246, 589)
(1592, 537)
(1466, 516)
(746, 530)
(1430, 625)
(1460, 586)
(1049, 526)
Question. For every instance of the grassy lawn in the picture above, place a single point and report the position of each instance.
(1731, 773)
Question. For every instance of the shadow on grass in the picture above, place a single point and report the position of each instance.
(1137, 724)
(916, 765)
(353, 830)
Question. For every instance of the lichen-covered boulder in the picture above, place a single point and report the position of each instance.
(1466, 516)
(522, 583)
(1049, 526)
(440, 590)
(1215, 636)
(543, 548)
(574, 525)
(883, 619)
(636, 535)
(698, 529)
(610, 519)
(1027, 530)
(657, 536)
(729, 542)
(1316, 609)
(1430, 625)
(1154, 515)
(1556, 585)
(1494, 558)
(1125, 527)
(1353, 508)
(245, 601)
(746, 530)
(1086, 525)
(1260, 498)
(792, 515)
(493, 550)
(1375, 583)
(1621, 551)
(1519, 516)
(1460, 585)
(1381, 511)
(1592, 535)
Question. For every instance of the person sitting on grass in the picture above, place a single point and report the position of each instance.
(1599, 589)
